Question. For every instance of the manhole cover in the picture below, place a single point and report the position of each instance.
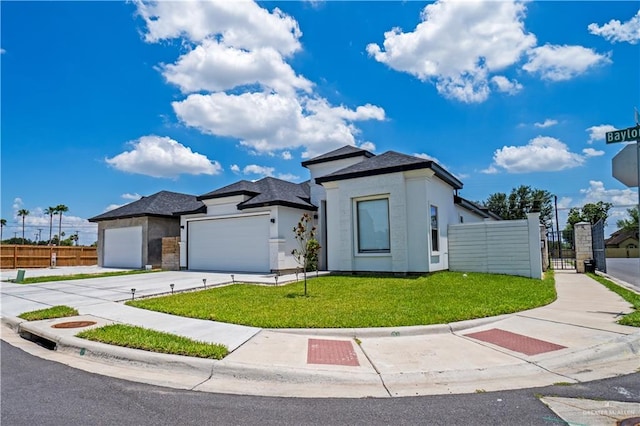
(632, 421)
(74, 324)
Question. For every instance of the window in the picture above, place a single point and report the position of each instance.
(435, 238)
(373, 226)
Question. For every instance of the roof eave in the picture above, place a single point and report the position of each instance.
(439, 171)
(338, 157)
(243, 206)
(227, 194)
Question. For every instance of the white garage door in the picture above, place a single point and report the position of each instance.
(123, 247)
(233, 244)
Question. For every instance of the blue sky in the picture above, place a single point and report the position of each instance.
(103, 102)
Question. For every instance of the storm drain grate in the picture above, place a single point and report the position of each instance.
(333, 352)
(515, 342)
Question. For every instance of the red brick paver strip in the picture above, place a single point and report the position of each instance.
(515, 342)
(334, 352)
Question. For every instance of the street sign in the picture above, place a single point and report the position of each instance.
(625, 165)
(629, 134)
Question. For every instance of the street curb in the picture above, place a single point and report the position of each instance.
(415, 330)
(618, 281)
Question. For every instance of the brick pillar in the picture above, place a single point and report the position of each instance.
(582, 241)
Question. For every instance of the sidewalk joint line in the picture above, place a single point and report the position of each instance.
(384, 385)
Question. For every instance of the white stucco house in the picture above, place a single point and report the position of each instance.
(384, 213)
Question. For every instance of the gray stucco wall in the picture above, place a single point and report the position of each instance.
(153, 230)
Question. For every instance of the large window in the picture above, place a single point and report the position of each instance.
(435, 234)
(373, 226)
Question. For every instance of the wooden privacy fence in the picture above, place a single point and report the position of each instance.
(19, 256)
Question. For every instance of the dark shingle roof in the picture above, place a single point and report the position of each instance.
(475, 208)
(346, 151)
(267, 191)
(163, 203)
(620, 236)
(390, 162)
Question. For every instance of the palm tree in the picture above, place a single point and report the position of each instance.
(50, 211)
(23, 213)
(3, 223)
(61, 208)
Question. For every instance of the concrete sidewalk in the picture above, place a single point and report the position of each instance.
(574, 339)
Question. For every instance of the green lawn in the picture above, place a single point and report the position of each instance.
(632, 319)
(361, 301)
(154, 341)
(60, 311)
(34, 280)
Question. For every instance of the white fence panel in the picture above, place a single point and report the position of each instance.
(501, 247)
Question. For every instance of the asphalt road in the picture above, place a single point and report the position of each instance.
(42, 392)
(627, 270)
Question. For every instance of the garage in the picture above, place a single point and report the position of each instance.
(237, 244)
(123, 247)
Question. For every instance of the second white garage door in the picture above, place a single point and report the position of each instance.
(123, 247)
(238, 244)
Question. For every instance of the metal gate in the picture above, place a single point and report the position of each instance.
(597, 244)
(562, 252)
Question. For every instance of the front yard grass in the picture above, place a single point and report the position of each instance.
(632, 319)
(154, 341)
(44, 279)
(361, 301)
(60, 311)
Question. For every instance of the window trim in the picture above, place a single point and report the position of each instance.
(357, 250)
(431, 229)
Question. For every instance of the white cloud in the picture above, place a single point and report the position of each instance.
(541, 154)
(113, 207)
(254, 169)
(238, 82)
(235, 168)
(132, 197)
(546, 123)
(597, 192)
(242, 24)
(162, 157)
(504, 85)
(597, 133)
(270, 122)
(288, 177)
(558, 63)
(491, 170)
(17, 204)
(458, 45)
(615, 31)
(590, 152)
(564, 202)
(368, 146)
(426, 157)
(286, 155)
(213, 67)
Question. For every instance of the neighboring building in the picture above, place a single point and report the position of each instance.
(622, 239)
(386, 213)
(131, 236)
(622, 244)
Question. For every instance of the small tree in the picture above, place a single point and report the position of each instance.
(3, 223)
(630, 224)
(61, 208)
(307, 253)
(23, 213)
(50, 211)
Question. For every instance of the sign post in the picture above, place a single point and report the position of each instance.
(622, 162)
